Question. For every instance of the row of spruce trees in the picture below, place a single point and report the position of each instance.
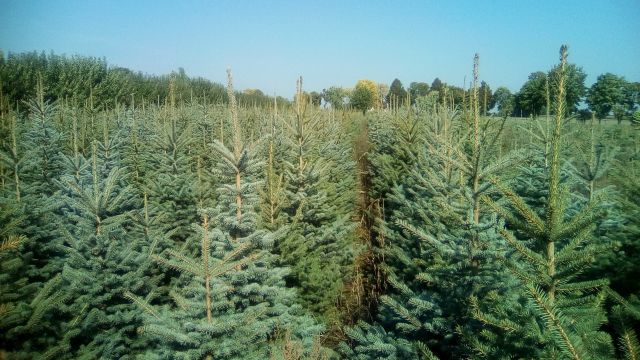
(173, 232)
(93, 83)
(497, 242)
(201, 230)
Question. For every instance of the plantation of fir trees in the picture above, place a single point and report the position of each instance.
(169, 217)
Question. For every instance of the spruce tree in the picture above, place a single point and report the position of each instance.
(139, 145)
(559, 315)
(103, 261)
(440, 241)
(170, 179)
(620, 264)
(35, 216)
(15, 288)
(43, 165)
(231, 301)
(594, 161)
(273, 193)
(316, 244)
(12, 157)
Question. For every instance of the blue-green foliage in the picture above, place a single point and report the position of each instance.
(39, 151)
(372, 342)
(15, 288)
(102, 259)
(170, 180)
(44, 164)
(232, 300)
(318, 239)
(547, 254)
(162, 230)
(436, 255)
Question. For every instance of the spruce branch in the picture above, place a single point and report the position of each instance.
(142, 303)
(531, 218)
(555, 321)
(11, 242)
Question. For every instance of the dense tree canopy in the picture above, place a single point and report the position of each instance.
(607, 91)
(397, 94)
(365, 96)
(575, 88)
(418, 89)
(631, 95)
(611, 92)
(504, 100)
(531, 99)
(79, 79)
(540, 88)
(315, 98)
(335, 96)
(437, 84)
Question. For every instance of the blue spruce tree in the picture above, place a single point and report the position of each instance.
(231, 301)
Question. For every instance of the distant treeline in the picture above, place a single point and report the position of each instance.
(92, 81)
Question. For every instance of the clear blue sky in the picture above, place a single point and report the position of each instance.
(269, 43)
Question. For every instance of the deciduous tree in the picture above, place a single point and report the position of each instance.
(365, 96)
(335, 96)
(531, 98)
(417, 89)
(607, 91)
(397, 94)
(575, 89)
(504, 100)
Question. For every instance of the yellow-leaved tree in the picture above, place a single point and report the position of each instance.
(365, 96)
